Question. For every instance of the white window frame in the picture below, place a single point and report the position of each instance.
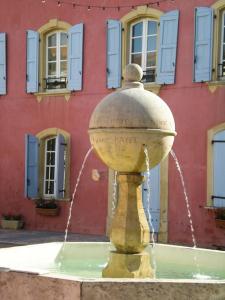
(58, 60)
(144, 43)
(50, 166)
(222, 44)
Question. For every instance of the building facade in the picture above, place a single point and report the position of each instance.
(58, 59)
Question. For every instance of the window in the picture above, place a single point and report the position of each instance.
(216, 166)
(55, 58)
(143, 47)
(209, 45)
(143, 42)
(47, 165)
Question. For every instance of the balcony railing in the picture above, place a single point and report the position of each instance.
(148, 76)
(221, 70)
(52, 83)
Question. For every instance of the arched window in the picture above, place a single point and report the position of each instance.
(47, 165)
(55, 58)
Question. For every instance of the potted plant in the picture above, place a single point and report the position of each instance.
(10, 221)
(47, 207)
(220, 217)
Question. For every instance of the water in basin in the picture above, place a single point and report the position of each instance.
(86, 260)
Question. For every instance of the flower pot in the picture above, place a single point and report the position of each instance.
(220, 223)
(47, 211)
(12, 224)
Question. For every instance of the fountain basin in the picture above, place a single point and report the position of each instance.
(44, 270)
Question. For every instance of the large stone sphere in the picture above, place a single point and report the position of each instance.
(128, 121)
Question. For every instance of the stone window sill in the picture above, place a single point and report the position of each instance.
(213, 85)
(152, 87)
(61, 93)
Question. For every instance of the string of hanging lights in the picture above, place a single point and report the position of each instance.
(89, 6)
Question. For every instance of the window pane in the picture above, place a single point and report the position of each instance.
(137, 45)
(52, 173)
(136, 59)
(52, 158)
(151, 59)
(52, 54)
(137, 29)
(51, 145)
(63, 40)
(47, 173)
(52, 69)
(152, 27)
(51, 187)
(52, 40)
(46, 187)
(63, 66)
(63, 55)
(48, 161)
(151, 43)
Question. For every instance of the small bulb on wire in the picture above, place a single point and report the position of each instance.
(43, 1)
(74, 5)
(59, 3)
(157, 3)
(118, 8)
(89, 8)
(103, 8)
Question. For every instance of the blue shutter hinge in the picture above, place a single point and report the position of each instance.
(195, 59)
(60, 191)
(107, 70)
(218, 197)
(213, 70)
(26, 77)
(218, 141)
(39, 40)
(215, 16)
(122, 29)
(63, 144)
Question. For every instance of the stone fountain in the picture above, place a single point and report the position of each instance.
(122, 125)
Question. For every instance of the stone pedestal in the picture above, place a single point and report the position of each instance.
(130, 232)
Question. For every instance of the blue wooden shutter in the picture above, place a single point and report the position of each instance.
(154, 197)
(60, 167)
(166, 64)
(203, 44)
(113, 53)
(219, 169)
(31, 166)
(32, 61)
(75, 57)
(2, 63)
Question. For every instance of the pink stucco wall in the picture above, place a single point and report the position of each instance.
(195, 110)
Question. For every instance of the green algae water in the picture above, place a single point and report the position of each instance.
(86, 260)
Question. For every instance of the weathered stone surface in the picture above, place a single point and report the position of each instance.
(25, 286)
(155, 290)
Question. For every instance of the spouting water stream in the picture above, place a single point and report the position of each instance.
(148, 210)
(74, 193)
(188, 208)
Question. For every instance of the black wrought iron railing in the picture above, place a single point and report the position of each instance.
(221, 70)
(52, 83)
(149, 76)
